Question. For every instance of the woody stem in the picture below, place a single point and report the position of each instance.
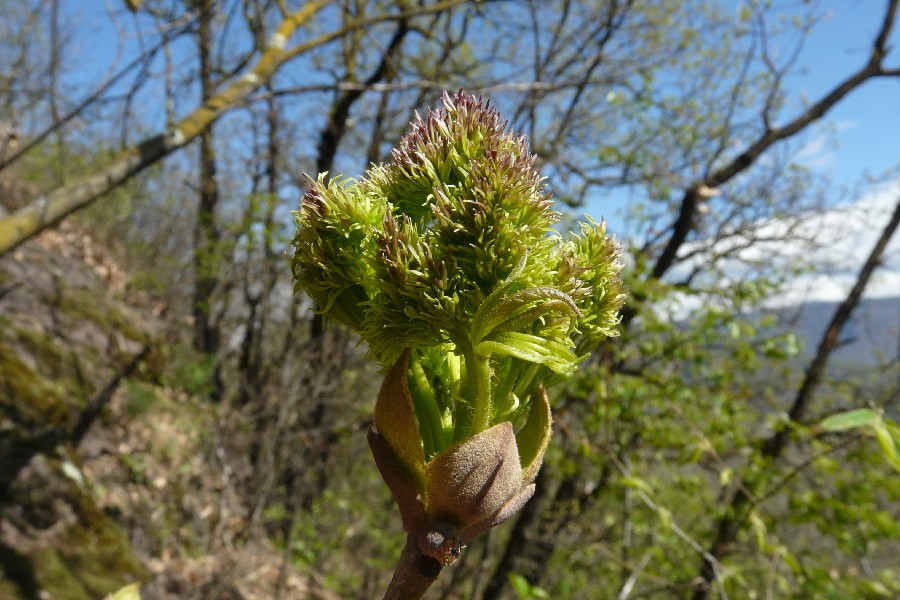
(414, 574)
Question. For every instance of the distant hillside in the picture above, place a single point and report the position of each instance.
(871, 336)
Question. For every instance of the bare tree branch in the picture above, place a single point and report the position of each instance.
(414, 574)
(337, 121)
(687, 214)
(92, 411)
(95, 96)
(813, 375)
(48, 209)
(735, 515)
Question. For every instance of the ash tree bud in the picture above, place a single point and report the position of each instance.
(446, 262)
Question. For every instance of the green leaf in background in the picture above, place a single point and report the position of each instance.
(887, 443)
(524, 590)
(129, 592)
(886, 432)
(638, 484)
(759, 530)
(862, 417)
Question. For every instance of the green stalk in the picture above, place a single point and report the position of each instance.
(505, 386)
(478, 371)
(463, 410)
(427, 412)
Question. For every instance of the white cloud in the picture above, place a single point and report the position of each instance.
(844, 237)
(817, 154)
(820, 153)
(836, 242)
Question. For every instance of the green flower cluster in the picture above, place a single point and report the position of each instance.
(449, 250)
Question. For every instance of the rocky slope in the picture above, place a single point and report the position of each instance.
(109, 473)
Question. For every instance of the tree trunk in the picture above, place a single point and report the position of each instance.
(734, 518)
(48, 209)
(206, 234)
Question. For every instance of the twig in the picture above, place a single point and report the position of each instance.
(77, 110)
(414, 574)
(629, 585)
(686, 219)
(772, 448)
(46, 210)
(829, 341)
(102, 399)
(649, 503)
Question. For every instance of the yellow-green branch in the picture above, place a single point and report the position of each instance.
(52, 207)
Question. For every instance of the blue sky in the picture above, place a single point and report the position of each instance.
(868, 121)
(865, 125)
(861, 135)
(858, 138)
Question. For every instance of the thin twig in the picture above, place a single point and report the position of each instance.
(649, 503)
(632, 579)
(102, 399)
(685, 222)
(414, 574)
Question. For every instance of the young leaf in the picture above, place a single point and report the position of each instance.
(862, 417)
